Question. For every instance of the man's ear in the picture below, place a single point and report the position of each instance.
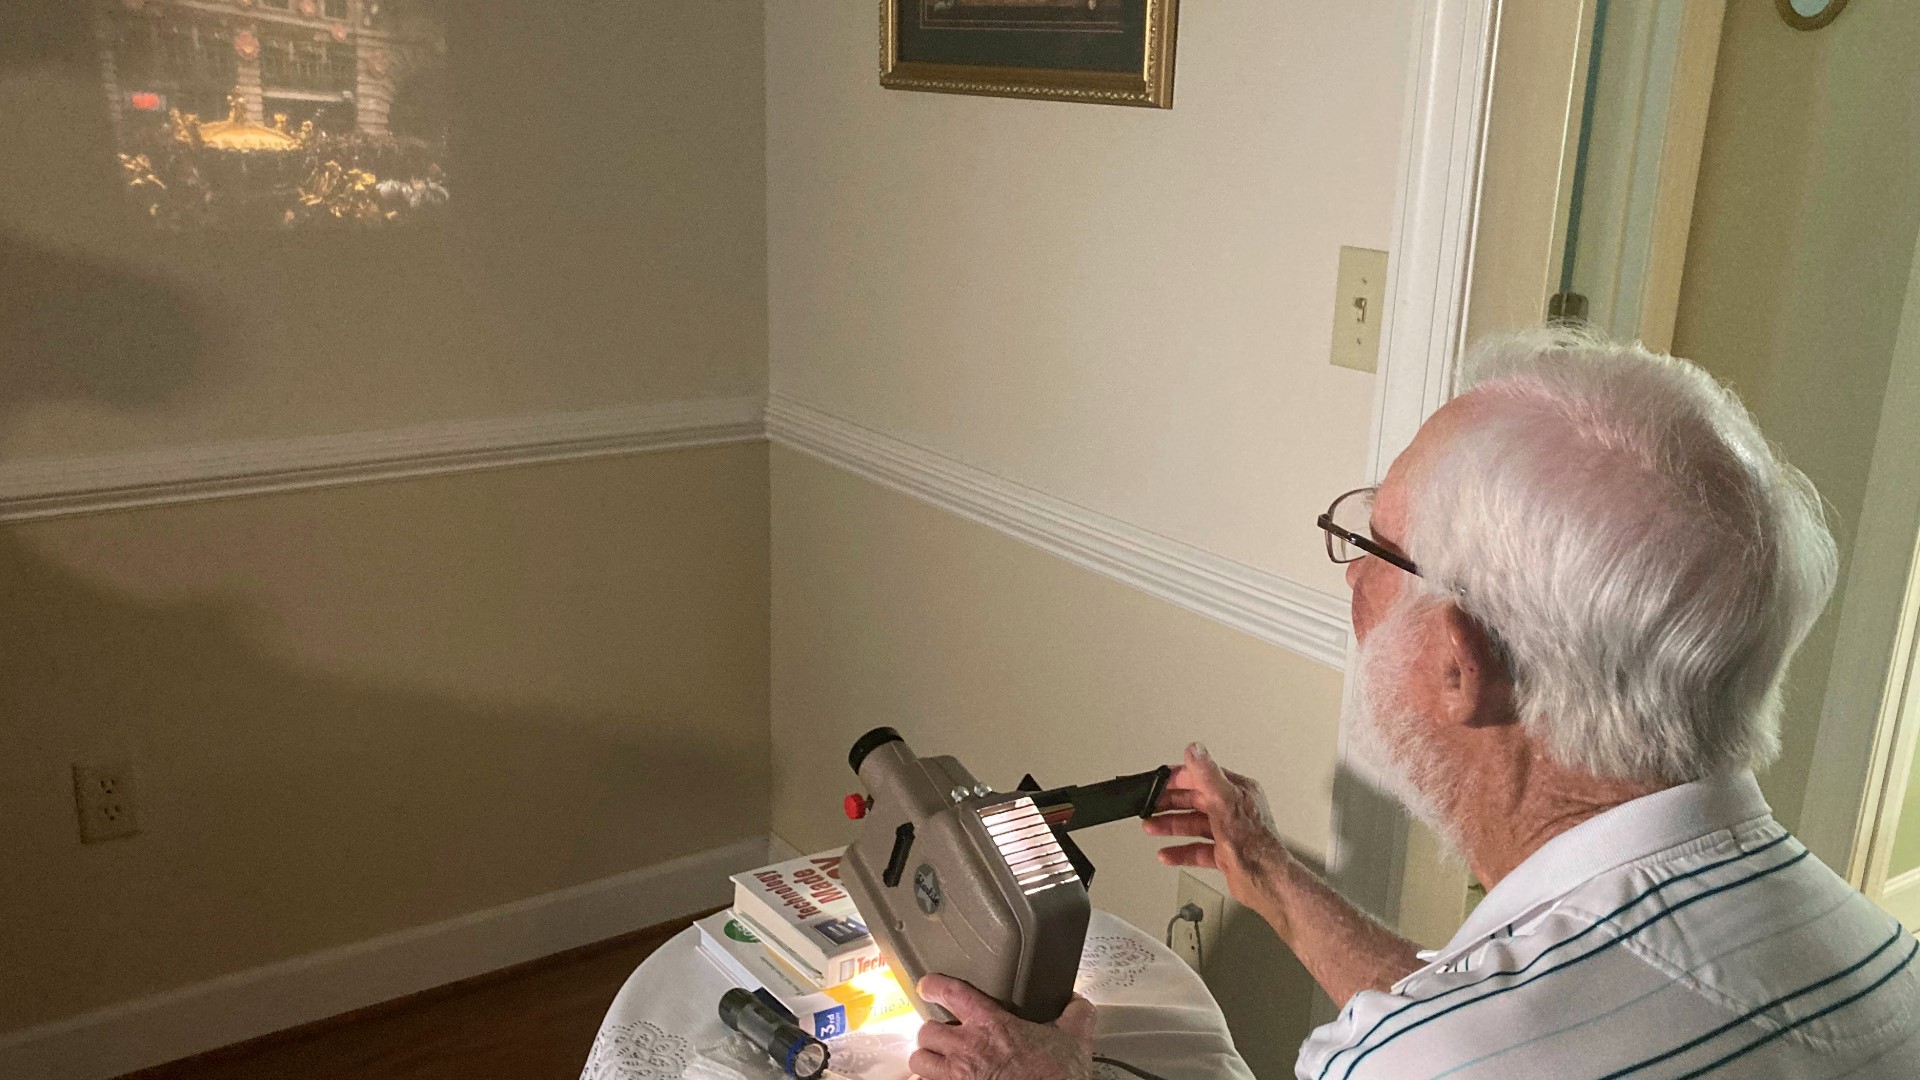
(1475, 688)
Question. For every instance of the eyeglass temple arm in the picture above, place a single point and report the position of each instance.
(1367, 545)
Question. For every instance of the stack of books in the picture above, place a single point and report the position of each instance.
(793, 932)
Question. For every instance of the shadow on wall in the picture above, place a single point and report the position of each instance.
(1269, 1024)
(1265, 993)
(283, 810)
(1365, 805)
(76, 328)
(608, 203)
(73, 325)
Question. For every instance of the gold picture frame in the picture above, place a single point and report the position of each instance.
(1149, 84)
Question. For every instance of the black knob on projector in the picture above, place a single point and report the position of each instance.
(868, 743)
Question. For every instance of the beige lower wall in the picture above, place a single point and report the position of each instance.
(889, 611)
(356, 710)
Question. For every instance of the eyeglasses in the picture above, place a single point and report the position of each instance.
(1347, 524)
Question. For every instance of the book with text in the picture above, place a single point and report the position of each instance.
(736, 950)
(800, 907)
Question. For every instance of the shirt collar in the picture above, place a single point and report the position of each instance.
(1630, 831)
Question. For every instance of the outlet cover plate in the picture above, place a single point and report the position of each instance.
(1195, 943)
(1359, 306)
(103, 797)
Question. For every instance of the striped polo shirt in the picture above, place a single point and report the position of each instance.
(1682, 934)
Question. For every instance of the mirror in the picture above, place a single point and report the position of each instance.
(1810, 14)
(1648, 75)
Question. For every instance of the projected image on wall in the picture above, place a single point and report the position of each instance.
(284, 114)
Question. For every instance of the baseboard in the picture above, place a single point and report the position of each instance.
(1258, 602)
(59, 487)
(246, 1005)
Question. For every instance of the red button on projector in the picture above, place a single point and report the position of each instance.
(856, 806)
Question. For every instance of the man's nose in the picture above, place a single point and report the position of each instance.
(1353, 574)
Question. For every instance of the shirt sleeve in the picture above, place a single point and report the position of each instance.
(1442, 1018)
(1334, 1047)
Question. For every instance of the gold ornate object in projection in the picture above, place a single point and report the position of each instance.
(143, 184)
(341, 194)
(237, 133)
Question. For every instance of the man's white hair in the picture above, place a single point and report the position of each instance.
(1646, 562)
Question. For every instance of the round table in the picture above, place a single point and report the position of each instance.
(1154, 1013)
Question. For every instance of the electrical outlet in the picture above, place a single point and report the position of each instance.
(103, 796)
(1184, 938)
(1195, 942)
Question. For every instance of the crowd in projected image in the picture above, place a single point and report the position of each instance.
(283, 114)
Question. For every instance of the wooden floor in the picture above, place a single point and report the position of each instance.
(532, 1022)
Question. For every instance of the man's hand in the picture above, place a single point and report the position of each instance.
(991, 1043)
(1344, 948)
(1229, 810)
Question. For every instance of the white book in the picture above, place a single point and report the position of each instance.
(736, 951)
(802, 911)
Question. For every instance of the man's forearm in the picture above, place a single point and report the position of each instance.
(1343, 948)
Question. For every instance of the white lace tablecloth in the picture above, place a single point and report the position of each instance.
(1154, 1013)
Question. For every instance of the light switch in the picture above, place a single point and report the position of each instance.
(1359, 303)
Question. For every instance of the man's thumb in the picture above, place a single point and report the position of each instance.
(1077, 1019)
(1201, 764)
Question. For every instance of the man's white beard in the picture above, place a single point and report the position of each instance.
(1387, 733)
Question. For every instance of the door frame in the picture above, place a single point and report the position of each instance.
(1436, 214)
(1475, 249)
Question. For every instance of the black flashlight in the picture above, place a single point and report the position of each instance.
(798, 1054)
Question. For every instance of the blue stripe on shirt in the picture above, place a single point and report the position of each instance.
(1664, 913)
(1774, 1004)
(1833, 1008)
(1769, 936)
(1654, 888)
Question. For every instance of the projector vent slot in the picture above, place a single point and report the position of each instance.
(1028, 845)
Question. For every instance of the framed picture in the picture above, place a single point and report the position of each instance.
(1115, 52)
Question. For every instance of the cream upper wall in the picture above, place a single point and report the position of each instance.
(606, 246)
(889, 611)
(1127, 308)
(357, 710)
(1803, 235)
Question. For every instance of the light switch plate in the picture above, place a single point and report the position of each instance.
(1359, 304)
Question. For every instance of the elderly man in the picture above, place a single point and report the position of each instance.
(1576, 594)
